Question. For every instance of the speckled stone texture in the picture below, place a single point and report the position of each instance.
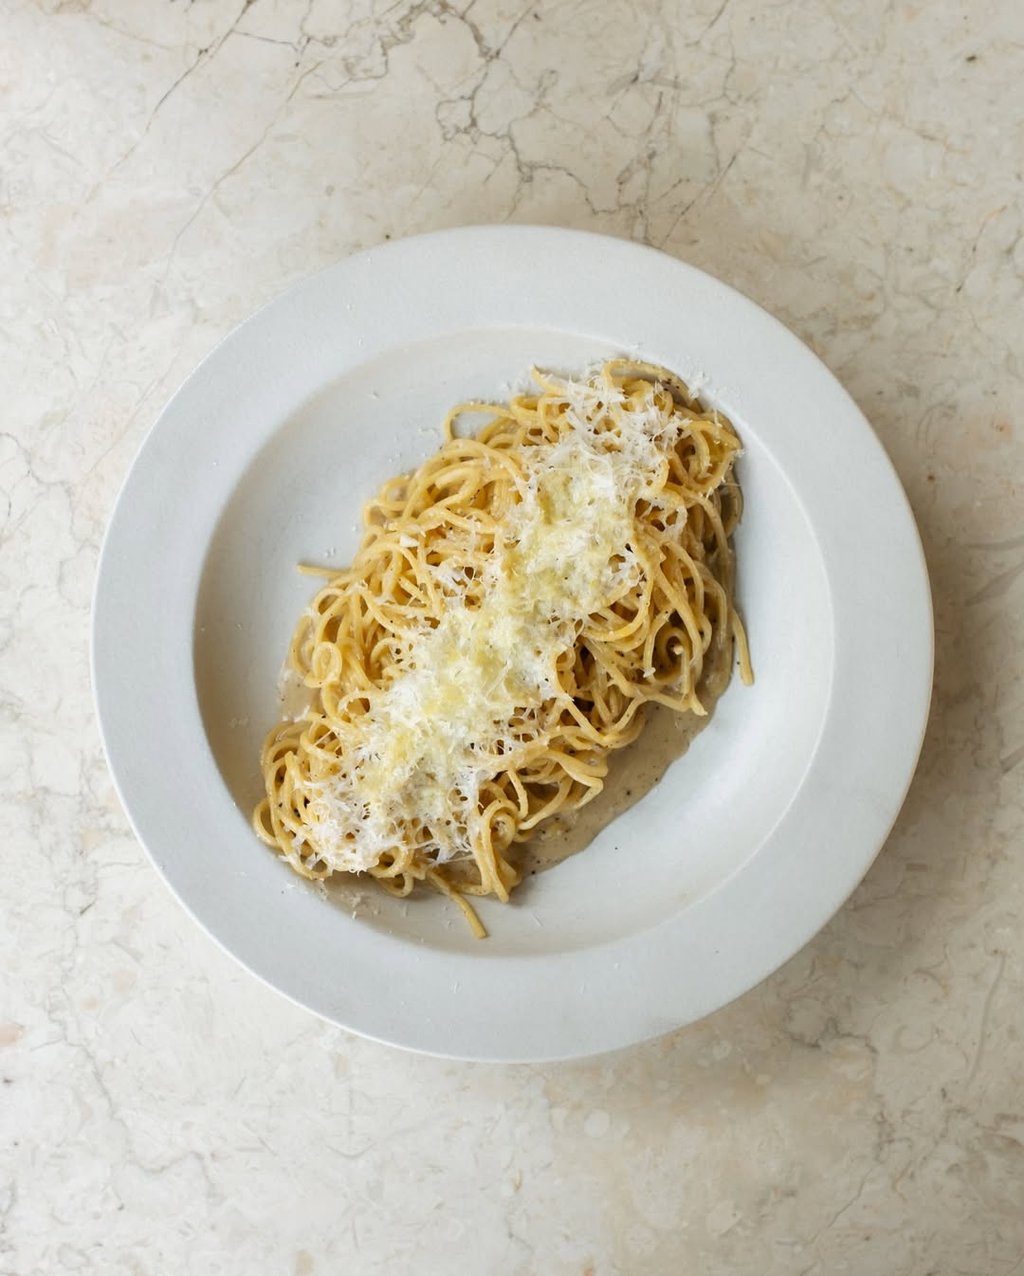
(855, 167)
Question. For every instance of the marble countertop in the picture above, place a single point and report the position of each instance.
(856, 169)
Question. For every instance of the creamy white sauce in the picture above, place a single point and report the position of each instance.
(632, 773)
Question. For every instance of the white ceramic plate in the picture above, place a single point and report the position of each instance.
(753, 839)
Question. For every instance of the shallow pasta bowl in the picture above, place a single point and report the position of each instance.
(753, 839)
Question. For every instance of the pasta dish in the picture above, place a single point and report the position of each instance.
(515, 604)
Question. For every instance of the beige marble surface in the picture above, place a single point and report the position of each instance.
(853, 166)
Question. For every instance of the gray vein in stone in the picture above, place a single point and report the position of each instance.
(234, 167)
(986, 1011)
(203, 54)
(997, 587)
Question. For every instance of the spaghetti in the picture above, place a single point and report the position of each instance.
(515, 603)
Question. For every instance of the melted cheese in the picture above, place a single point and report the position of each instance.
(431, 737)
